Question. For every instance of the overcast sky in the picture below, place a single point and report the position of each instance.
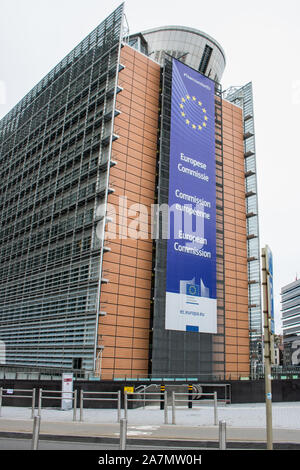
(261, 40)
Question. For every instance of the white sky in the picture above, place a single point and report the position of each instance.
(261, 40)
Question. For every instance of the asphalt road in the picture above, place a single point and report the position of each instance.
(25, 444)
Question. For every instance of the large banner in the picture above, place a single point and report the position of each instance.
(191, 303)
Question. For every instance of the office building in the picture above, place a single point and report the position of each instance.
(243, 96)
(87, 165)
(290, 307)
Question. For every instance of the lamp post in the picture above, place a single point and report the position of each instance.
(268, 310)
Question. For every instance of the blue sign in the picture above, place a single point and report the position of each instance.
(191, 303)
(269, 265)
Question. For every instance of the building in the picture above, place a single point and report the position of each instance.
(290, 300)
(86, 169)
(243, 96)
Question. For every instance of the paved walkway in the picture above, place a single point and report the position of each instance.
(245, 425)
(92, 431)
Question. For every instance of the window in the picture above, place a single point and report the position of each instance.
(77, 363)
(205, 59)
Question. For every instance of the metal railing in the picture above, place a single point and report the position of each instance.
(162, 400)
(84, 397)
(8, 395)
(175, 400)
(226, 393)
(42, 396)
(14, 372)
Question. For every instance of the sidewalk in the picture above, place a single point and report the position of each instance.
(165, 432)
(145, 425)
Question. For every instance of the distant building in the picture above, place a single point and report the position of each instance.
(290, 299)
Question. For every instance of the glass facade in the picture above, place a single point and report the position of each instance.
(243, 97)
(290, 295)
(55, 159)
(290, 298)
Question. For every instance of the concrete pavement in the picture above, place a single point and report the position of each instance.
(148, 434)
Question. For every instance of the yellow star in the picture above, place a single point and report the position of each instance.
(206, 118)
(183, 100)
(199, 102)
(183, 114)
(199, 127)
(204, 110)
(187, 121)
(204, 124)
(194, 98)
(188, 97)
(193, 126)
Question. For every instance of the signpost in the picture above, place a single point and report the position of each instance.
(268, 303)
(67, 392)
(271, 319)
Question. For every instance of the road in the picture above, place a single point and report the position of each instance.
(25, 444)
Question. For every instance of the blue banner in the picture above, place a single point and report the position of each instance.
(269, 265)
(191, 303)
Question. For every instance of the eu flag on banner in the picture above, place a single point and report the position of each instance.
(192, 289)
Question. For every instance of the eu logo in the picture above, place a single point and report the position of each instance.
(192, 289)
(193, 112)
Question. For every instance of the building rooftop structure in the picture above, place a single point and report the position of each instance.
(192, 46)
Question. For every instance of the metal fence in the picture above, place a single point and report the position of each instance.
(14, 372)
(29, 395)
(58, 396)
(84, 396)
(161, 399)
(196, 403)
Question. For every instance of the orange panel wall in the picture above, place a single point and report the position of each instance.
(235, 240)
(126, 298)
